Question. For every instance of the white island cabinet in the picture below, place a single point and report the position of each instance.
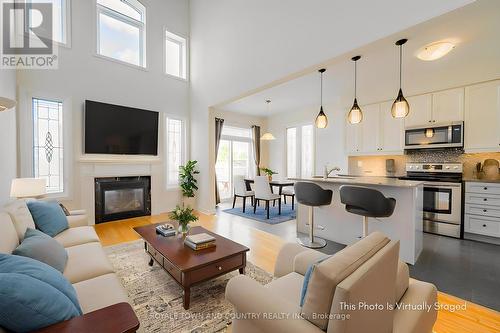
(404, 225)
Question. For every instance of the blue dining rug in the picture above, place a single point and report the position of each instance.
(287, 213)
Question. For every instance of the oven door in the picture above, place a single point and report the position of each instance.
(442, 202)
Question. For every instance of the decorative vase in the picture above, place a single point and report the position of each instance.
(183, 230)
(270, 177)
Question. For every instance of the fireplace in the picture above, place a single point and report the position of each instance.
(122, 197)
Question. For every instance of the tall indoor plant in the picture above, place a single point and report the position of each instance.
(188, 182)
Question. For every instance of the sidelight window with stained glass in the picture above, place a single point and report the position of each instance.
(48, 143)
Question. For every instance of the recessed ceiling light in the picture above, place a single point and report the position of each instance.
(435, 51)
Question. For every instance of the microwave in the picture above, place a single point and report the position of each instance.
(450, 135)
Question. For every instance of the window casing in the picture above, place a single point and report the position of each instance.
(48, 148)
(300, 151)
(175, 152)
(61, 20)
(175, 55)
(121, 31)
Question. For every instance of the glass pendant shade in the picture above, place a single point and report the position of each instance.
(355, 116)
(400, 107)
(267, 137)
(429, 133)
(6, 104)
(321, 119)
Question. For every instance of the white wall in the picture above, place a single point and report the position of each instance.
(238, 45)
(329, 142)
(82, 75)
(8, 139)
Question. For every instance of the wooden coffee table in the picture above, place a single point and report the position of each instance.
(189, 267)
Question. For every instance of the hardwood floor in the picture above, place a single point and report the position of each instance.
(264, 250)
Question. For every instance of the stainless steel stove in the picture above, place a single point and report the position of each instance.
(442, 196)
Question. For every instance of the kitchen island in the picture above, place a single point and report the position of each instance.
(405, 224)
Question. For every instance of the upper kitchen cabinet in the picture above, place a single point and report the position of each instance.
(420, 111)
(378, 134)
(440, 107)
(448, 106)
(482, 117)
(370, 128)
(391, 131)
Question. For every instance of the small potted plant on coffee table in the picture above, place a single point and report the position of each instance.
(268, 172)
(184, 216)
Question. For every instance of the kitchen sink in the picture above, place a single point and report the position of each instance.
(336, 177)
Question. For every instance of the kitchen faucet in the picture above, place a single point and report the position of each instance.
(327, 172)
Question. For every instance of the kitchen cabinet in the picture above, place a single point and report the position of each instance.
(353, 138)
(441, 107)
(482, 211)
(448, 106)
(482, 117)
(370, 128)
(379, 133)
(391, 139)
(420, 111)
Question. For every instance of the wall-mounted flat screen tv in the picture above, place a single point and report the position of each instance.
(115, 129)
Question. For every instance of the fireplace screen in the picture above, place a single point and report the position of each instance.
(118, 201)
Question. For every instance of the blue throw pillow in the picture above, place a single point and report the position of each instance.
(38, 270)
(307, 277)
(28, 304)
(48, 216)
(42, 247)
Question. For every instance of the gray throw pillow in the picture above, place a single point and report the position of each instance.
(41, 247)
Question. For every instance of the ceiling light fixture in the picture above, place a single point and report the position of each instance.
(400, 107)
(355, 116)
(435, 51)
(321, 119)
(267, 136)
(6, 104)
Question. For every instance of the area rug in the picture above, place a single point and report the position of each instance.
(157, 299)
(287, 213)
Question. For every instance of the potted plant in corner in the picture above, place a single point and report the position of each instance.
(184, 216)
(268, 172)
(187, 182)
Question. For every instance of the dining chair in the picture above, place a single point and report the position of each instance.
(240, 190)
(263, 192)
(289, 192)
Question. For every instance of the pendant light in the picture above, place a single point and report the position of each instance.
(355, 116)
(400, 107)
(321, 119)
(267, 136)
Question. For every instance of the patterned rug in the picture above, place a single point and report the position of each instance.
(287, 213)
(157, 298)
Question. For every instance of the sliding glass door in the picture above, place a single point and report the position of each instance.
(233, 159)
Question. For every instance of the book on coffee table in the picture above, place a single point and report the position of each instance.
(201, 246)
(200, 238)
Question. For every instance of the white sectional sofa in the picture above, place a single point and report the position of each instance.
(88, 269)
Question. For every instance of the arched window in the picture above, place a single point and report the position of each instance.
(121, 31)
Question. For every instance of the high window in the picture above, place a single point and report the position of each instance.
(175, 149)
(48, 149)
(175, 55)
(61, 10)
(300, 151)
(121, 31)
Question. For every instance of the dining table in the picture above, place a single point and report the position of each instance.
(280, 183)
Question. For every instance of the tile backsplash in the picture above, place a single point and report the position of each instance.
(375, 165)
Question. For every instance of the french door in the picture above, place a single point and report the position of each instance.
(233, 159)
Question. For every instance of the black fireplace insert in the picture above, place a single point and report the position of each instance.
(119, 198)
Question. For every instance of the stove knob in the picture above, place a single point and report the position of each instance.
(447, 167)
(411, 166)
(455, 167)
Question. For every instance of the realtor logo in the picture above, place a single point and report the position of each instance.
(27, 36)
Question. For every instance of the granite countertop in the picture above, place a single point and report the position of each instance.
(362, 180)
(480, 180)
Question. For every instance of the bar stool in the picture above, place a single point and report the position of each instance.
(312, 195)
(366, 202)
